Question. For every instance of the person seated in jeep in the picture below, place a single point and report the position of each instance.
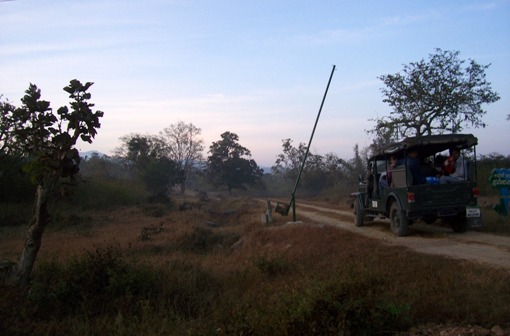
(454, 174)
(385, 179)
(414, 165)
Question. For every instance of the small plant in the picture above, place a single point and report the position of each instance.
(348, 307)
(91, 283)
(272, 266)
(202, 240)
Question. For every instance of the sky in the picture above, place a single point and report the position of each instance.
(256, 68)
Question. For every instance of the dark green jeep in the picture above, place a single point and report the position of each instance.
(408, 190)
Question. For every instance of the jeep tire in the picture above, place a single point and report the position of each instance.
(359, 214)
(398, 220)
(459, 224)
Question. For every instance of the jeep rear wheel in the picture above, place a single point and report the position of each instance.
(399, 221)
(359, 214)
(429, 219)
(458, 224)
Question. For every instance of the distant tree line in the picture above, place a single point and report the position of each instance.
(174, 157)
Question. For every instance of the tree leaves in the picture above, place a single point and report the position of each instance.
(435, 96)
(230, 164)
(47, 139)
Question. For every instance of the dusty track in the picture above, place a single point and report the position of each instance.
(430, 239)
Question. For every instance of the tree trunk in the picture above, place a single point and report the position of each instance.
(40, 218)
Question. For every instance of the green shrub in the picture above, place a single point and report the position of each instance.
(202, 240)
(104, 283)
(495, 223)
(92, 284)
(106, 194)
(352, 307)
(272, 266)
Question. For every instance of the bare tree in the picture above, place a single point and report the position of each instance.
(184, 146)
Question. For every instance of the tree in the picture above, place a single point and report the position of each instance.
(290, 160)
(357, 165)
(184, 147)
(146, 155)
(6, 128)
(160, 175)
(13, 183)
(100, 166)
(230, 164)
(435, 96)
(138, 151)
(47, 140)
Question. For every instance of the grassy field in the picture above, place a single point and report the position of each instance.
(212, 268)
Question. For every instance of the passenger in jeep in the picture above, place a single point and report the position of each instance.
(459, 169)
(414, 165)
(385, 179)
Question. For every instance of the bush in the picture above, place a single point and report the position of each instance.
(103, 283)
(15, 214)
(351, 308)
(272, 266)
(204, 240)
(92, 284)
(106, 194)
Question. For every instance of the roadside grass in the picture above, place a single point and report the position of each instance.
(213, 268)
(495, 223)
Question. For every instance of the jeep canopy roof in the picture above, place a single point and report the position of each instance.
(428, 145)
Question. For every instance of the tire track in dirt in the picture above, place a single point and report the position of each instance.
(430, 239)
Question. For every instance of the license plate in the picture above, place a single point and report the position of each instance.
(472, 212)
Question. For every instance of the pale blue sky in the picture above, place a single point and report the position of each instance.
(255, 68)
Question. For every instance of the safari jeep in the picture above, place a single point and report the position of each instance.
(404, 202)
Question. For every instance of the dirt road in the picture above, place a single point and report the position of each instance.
(431, 239)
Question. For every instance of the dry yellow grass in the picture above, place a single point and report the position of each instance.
(266, 268)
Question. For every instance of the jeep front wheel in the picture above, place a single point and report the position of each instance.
(399, 221)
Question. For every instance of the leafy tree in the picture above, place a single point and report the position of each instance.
(319, 173)
(290, 160)
(160, 175)
(337, 169)
(184, 147)
(146, 155)
(357, 165)
(230, 165)
(435, 96)
(102, 167)
(138, 151)
(314, 177)
(47, 140)
(14, 184)
(7, 125)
